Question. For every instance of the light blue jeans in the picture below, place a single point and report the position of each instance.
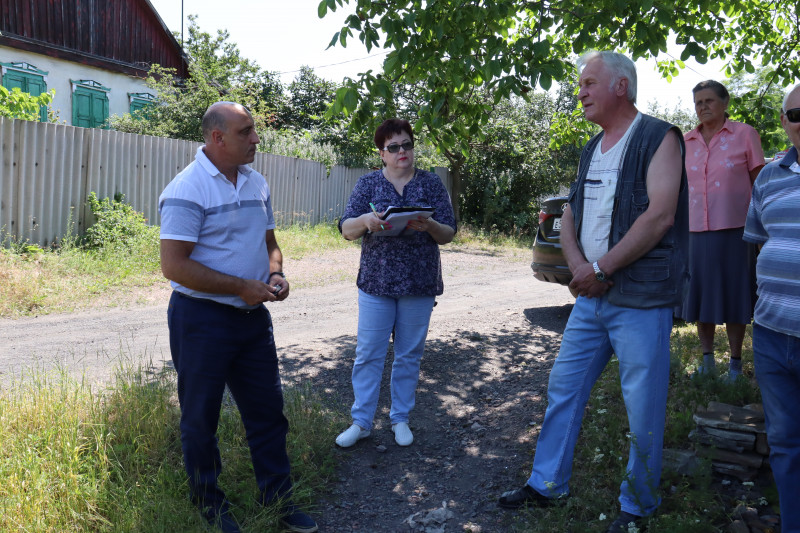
(777, 360)
(409, 316)
(640, 339)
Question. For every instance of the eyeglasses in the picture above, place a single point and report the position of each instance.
(793, 115)
(407, 146)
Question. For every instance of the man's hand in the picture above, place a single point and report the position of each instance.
(279, 287)
(254, 292)
(584, 282)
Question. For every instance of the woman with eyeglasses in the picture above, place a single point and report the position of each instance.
(723, 159)
(398, 279)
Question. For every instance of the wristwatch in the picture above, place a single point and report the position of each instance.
(599, 275)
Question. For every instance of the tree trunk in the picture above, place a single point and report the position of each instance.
(456, 165)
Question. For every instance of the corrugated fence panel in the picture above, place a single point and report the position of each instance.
(279, 172)
(336, 189)
(62, 172)
(444, 174)
(309, 177)
(8, 179)
(45, 192)
(160, 160)
(48, 170)
(111, 167)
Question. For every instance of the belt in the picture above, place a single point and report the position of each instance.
(242, 310)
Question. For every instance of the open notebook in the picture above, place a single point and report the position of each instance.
(400, 216)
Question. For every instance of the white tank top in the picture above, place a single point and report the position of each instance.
(598, 195)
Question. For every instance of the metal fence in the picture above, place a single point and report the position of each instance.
(48, 170)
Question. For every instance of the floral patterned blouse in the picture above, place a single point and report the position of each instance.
(719, 175)
(407, 265)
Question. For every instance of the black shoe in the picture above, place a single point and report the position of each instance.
(221, 519)
(514, 499)
(623, 523)
(297, 521)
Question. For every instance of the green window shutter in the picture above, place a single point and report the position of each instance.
(139, 103)
(89, 104)
(82, 109)
(28, 78)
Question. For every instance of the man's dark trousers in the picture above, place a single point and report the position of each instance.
(212, 345)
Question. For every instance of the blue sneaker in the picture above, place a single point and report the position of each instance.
(298, 521)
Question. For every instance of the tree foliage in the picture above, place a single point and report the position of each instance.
(309, 97)
(217, 71)
(757, 100)
(16, 104)
(513, 168)
(451, 48)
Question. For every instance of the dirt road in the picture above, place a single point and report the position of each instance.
(481, 395)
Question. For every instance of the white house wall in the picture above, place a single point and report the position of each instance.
(59, 73)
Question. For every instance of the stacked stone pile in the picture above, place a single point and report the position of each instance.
(734, 438)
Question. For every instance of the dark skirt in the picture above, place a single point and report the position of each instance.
(722, 288)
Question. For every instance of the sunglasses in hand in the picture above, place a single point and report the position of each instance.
(407, 146)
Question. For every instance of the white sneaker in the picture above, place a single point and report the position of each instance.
(402, 434)
(351, 435)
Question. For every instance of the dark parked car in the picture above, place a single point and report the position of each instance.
(548, 261)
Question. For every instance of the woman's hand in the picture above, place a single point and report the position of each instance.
(441, 233)
(421, 224)
(374, 224)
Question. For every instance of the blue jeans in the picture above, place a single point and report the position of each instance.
(409, 317)
(213, 345)
(640, 339)
(777, 361)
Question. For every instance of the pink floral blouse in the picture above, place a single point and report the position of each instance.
(719, 175)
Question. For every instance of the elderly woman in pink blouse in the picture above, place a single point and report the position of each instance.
(723, 158)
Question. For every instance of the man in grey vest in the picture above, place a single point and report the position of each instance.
(624, 235)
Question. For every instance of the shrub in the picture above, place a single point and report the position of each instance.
(117, 224)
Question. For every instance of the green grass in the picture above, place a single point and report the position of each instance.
(689, 504)
(34, 281)
(298, 241)
(37, 281)
(469, 236)
(75, 459)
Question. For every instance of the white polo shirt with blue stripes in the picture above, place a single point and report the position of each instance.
(774, 221)
(227, 224)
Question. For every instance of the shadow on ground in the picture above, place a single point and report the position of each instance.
(480, 401)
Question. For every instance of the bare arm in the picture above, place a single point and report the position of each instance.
(441, 233)
(583, 281)
(569, 240)
(276, 265)
(177, 265)
(754, 173)
(355, 228)
(663, 189)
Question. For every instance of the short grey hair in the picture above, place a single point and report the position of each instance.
(786, 97)
(215, 119)
(620, 66)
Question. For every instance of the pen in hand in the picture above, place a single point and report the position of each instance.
(376, 212)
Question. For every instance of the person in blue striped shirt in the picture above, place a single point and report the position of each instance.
(773, 222)
(218, 249)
